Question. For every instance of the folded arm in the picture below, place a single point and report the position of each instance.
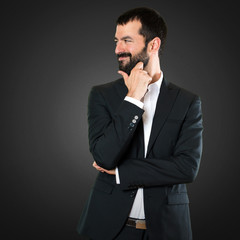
(110, 135)
(181, 167)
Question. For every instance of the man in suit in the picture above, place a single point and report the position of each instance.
(145, 135)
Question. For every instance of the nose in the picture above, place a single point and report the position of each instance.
(119, 48)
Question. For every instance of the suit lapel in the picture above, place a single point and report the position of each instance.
(164, 106)
(165, 103)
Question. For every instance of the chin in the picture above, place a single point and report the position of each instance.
(123, 63)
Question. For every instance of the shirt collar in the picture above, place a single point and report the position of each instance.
(158, 83)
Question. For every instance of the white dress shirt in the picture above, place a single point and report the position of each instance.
(149, 105)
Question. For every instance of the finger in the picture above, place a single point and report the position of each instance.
(139, 65)
(100, 169)
(124, 75)
(96, 166)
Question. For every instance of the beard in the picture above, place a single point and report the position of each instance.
(140, 57)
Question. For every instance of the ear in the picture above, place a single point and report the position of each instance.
(154, 45)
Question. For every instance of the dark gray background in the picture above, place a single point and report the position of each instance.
(51, 56)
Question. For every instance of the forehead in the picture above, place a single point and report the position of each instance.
(131, 28)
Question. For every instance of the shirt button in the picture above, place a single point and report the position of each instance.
(131, 124)
(134, 121)
(136, 117)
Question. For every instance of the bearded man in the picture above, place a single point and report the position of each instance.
(145, 135)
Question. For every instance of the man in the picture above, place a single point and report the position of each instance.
(145, 135)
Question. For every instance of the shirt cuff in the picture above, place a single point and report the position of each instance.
(117, 176)
(134, 101)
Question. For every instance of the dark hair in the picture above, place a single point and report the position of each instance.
(153, 24)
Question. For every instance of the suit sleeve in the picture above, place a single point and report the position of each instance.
(181, 167)
(109, 135)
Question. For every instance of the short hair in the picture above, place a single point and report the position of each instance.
(153, 24)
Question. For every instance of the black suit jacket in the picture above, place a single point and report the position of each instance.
(173, 158)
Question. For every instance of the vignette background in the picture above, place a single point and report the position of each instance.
(53, 53)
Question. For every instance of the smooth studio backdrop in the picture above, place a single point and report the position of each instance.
(53, 53)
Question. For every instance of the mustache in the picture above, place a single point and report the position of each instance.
(124, 55)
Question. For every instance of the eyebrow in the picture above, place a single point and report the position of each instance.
(123, 38)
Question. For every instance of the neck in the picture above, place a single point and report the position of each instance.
(153, 68)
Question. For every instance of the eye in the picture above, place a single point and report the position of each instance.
(127, 40)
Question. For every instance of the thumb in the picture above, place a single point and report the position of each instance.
(139, 65)
(124, 75)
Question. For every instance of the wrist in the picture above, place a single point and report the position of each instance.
(135, 96)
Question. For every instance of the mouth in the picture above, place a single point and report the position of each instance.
(122, 58)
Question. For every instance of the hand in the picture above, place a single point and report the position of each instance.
(137, 82)
(111, 172)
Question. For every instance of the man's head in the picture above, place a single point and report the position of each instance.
(136, 30)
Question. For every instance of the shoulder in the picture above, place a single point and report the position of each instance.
(110, 94)
(183, 93)
(186, 101)
(119, 83)
(111, 91)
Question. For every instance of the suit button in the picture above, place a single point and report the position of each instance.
(136, 117)
(131, 124)
(132, 194)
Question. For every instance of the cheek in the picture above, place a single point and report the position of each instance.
(134, 50)
(130, 48)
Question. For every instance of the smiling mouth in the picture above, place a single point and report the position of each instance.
(122, 58)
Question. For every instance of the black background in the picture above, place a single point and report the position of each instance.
(53, 53)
